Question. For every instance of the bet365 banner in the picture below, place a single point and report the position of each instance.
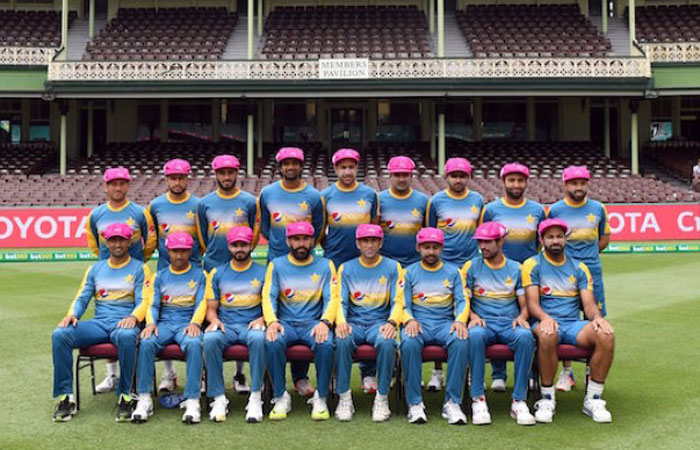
(65, 227)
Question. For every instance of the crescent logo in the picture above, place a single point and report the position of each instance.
(289, 293)
(481, 291)
(546, 290)
(277, 216)
(166, 298)
(165, 226)
(450, 222)
(421, 297)
(215, 225)
(337, 216)
(359, 296)
(390, 225)
(228, 297)
(102, 293)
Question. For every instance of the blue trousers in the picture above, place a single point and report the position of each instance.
(412, 360)
(299, 333)
(365, 334)
(171, 333)
(86, 333)
(520, 340)
(215, 342)
(598, 287)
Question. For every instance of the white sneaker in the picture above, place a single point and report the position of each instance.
(521, 413)
(218, 409)
(545, 410)
(453, 413)
(436, 381)
(283, 406)
(319, 408)
(144, 409)
(566, 381)
(240, 385)
(108, 384)
(304, 388)
(416, 413)
(480, 412)
(595, 407)
(369, 385)
(193, 412)
(168, 382)
(345, 409)
(380, 409)
(254, 409)
(498, 385)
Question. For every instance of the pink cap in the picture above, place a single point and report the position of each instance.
(116, 173)
(225, 162)
(515, 168)
(576, 172)
(367, 230)
(458, 165)
(300, 229)
(179, 240)
(489, 231)
(289, 153)
(177, 167)
(430, 234)
(549, 223)
(345, 153)
(401, 164)
(117, 230)
(239, 234)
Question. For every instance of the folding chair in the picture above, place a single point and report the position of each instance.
(86, 358)
(567, 352)
(295, 353)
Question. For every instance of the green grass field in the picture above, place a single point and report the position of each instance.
(653, 303)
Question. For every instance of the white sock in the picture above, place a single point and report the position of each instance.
(566, 370)
(112, 368)
(70, 398)
(382, 397)
(256, 395)
(218, 397)
(346, 395)
(595, 389)
(145, 396)
(547, 391)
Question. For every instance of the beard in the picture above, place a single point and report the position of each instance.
(516, 196)
(555, 250)
(301, 253)
(223, 187)
(241, 256)
(578, 196)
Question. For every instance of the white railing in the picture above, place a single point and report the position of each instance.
(386, 69)
(679, 52)
(26, 56)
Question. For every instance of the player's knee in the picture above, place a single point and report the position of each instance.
(411, 344)
(126, 336)
(605, 341)
(192, 344)
(278, 346)
(344, 343)
(546, 341)
(256, 338)
(61, 335)
(383, 344)
(477, 335)
(211, 340)
(524, 337)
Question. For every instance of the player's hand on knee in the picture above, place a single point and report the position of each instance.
(388, 331)
(520, 321)
(343, 330)
(215, 324)
(128, 322)
(257, 324)
(68, 320)
(461, 329)
(412, 328)
(272, 331)
(192, 330)
(320, 332)
(601, 325)
(549, 326)
(149, 331)
(475, 320)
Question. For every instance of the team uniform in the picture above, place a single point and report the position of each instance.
(143, 238)
(239, 294)
(559, 285)
(171, 216)
(119, 291)
(457, 217)
(494, 295)
(218, 213)
(587, 223)
(370, 296)
(345, 210)
(436, 299)
(401, 217)
(280, 206)
(299, 295)
(521, 221)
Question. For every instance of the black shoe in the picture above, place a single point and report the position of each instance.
(240, 385)
(64, 410)
(125, 408)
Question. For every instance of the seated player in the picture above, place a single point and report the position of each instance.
(177, 292)
(371, 295)
(118, 284)
(234, 314)
(299, 308)
(498, 316)
(436, 312)
(557, 289)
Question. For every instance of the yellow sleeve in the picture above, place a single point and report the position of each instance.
(268, 311)
(201, 312)
(340, 317)
(464, 316)
(426, 219)
(149, 313)
(200, 237)
(91, 238)
(397, 314)
(256, 228)
(209, 287)
(332, 308)
(322, 234)
(481, 216)
(587, 272)
(527, 267)
(146, 294)
(463, 272)
(151, 238)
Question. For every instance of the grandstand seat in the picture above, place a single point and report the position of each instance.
(667, 23)
(32, 28)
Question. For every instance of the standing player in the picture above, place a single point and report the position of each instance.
(177, 292)
(174, 212)
(288, 201)
(521, 216)
(436, 312)
(456, 211)
(558, 288)
(299, 306)
(119, 209)
(498, 315)
(371, 295)
(348, 204)
(120, 284)
(401, 212)
(234, 314)
(219, 211)
(588, 236)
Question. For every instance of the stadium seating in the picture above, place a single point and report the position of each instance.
(164, 34)
(346, 32)
(678, 157)
(26, 159)
(668, 23)
(530, 31)
(31, 28)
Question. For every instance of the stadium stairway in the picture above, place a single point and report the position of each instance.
(78, 37)
(455, 42)
(237, 45)
(618, 34)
